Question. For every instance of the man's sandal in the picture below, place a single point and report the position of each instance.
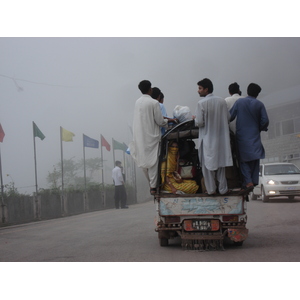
(246, 190)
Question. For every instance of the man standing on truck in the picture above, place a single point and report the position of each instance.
(147, 121)
(251, 118)
(235, 93)
(212, 118)
(159, 96)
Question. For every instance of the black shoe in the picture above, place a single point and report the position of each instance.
(246, 190)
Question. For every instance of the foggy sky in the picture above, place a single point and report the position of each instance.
(89, 86)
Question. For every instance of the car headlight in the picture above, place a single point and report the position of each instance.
(272, 182)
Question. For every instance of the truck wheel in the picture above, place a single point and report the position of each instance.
(163, 242)
(253, 197)
(264, 198)
(238, 243)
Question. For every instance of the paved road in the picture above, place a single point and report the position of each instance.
(128, 235)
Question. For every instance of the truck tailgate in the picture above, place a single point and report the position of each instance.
(207, 205)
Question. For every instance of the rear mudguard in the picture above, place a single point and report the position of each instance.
(237, 234)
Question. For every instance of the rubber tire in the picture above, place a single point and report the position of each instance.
(264, 198)
(291, 197)
(253, 197)
(238, 243)
(163, 242)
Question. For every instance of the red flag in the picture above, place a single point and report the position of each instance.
(2, 134)
(104, 143)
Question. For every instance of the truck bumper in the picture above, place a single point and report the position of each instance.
(198, 241)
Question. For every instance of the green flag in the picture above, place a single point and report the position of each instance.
(37, 132)
(119, 146)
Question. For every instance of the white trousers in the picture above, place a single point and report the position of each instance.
(151, 175)
(210, 178)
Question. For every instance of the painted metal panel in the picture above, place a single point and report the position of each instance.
(201, 205)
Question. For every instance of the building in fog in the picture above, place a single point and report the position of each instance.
(282, 140)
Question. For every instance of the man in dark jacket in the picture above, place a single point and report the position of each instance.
(251, 118)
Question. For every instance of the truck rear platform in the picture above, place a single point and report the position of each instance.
(202, 221)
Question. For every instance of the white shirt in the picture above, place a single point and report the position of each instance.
(117, 176)
(230, 101)
(212, 117)
(147, 121)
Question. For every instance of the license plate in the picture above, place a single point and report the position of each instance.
(291, 188)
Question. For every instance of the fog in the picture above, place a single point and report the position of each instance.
(89, 86)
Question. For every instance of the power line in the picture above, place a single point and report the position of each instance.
(34, 82)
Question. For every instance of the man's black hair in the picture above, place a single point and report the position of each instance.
(206, 84)
(253, 90)
(234, 88)
(155, 93)
(144, 86)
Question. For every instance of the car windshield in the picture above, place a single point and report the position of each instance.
(281, 169)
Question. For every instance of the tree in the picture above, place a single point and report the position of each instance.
(53, 178)
(92, 165)
(72, 170)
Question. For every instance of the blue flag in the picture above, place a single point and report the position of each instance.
(88, 142)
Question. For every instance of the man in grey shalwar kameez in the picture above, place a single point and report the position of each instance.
(147, 121)
(212, 118)
(251, 118)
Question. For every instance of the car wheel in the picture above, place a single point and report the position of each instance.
(264, 198)
(253, 197)
(291, 197)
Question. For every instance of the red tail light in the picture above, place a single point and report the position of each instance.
(230, 218)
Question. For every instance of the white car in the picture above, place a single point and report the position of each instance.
(277, 180)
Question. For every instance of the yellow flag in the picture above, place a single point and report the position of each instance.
(66, 136)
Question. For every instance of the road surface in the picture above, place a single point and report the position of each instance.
(127, 235)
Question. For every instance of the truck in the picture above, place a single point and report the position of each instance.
(200, 220)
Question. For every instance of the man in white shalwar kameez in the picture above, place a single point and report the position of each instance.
(147, 122)
(212, 118)
(235, 94)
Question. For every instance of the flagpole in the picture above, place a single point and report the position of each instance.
(62, 172)
(113, 151)
(2, 186)
(2, 134)
(35, 167)
(62, 165)
(102, 172)
(35, 172)
(134, 173)
(124, 164)
(2, 192)
(84, 171)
